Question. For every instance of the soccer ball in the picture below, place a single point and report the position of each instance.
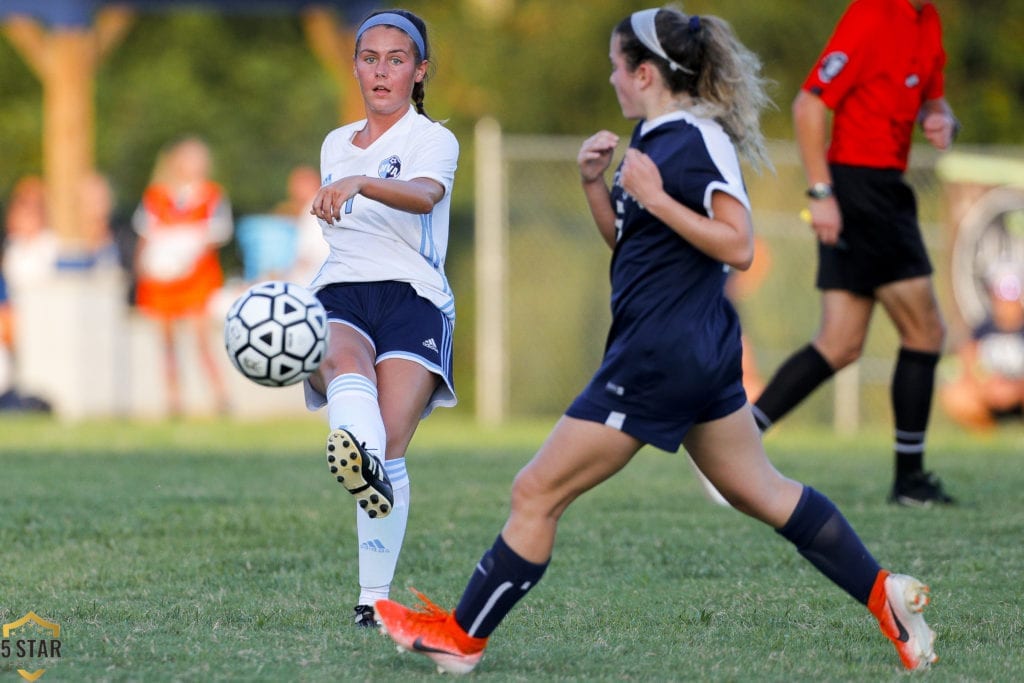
(276, 333)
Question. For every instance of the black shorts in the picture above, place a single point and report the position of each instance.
(881, 239)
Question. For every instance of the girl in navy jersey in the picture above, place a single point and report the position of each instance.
(676, 216)
(384, 209)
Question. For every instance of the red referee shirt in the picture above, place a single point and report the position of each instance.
(883, 62)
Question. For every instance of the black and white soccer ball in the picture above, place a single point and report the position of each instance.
(276, 333)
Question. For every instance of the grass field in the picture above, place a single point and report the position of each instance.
(217, 551)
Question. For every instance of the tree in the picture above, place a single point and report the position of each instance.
(252, 88)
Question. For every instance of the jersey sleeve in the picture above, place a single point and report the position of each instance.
(936, 85)
(699, 163)
(843, 57)
(724, 173)
(334, 149)
(436, 157)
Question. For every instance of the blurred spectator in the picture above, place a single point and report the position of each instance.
(311, 249)
(11, 399)
(6, 341)
(98, 248)
(96, 207)
(182, 220)
(991, 381)
(267, 246)
(29, 259)
(30, 249)
(287, 244)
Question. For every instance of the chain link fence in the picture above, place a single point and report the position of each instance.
(551, 309)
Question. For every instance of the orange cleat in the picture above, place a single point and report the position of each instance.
(897, 601)
(431, 632)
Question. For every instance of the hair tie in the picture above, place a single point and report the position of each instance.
(694, 24)
(397, 21)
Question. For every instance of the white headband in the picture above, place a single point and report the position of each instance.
(643, 26)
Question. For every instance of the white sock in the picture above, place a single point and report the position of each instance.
(380, 539)
(352, 404)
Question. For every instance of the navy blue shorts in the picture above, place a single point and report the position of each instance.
(655, 385)
(398, 323)
(666, 434)
(881, 237)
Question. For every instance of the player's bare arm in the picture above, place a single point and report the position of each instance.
(595, 155)
(728, 237)
(594, 158)
(810, 120)
(418, 195)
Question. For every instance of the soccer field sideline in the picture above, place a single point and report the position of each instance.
(220, 551)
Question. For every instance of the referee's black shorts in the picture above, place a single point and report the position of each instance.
(881, 238)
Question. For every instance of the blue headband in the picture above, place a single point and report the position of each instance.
(399, 22)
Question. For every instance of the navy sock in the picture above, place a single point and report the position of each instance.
(823, 536)
(913, 382)
(500, 580)
(792, 383)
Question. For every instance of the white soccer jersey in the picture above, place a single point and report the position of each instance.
(372, 242)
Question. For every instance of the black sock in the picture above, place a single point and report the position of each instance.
(823, 536)
(793, 382)
(501, 579)
(913, 382)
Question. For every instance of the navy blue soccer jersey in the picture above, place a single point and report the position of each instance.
(672, 358)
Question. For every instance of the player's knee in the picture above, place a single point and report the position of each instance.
(839, 353)
(336, 364)
(524, 490)
(929, 336)
(327, 371)
(530, 495)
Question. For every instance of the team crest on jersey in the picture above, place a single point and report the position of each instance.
(390, 167)
(912, 81)
(832, 64)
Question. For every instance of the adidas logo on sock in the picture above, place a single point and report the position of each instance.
(430, 344)
(374, 546)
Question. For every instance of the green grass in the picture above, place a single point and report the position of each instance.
(218, 551)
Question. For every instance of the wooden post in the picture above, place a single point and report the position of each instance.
(334, 45)
(69, 121)
(491, 256)
(65, 61)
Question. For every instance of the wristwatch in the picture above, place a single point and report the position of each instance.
(819, 191)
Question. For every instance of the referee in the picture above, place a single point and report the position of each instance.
(880, 74)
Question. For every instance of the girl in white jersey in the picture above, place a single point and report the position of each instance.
(383, 207)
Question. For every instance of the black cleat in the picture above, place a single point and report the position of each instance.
(360, 473)
(921, 489)
(365, 617)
